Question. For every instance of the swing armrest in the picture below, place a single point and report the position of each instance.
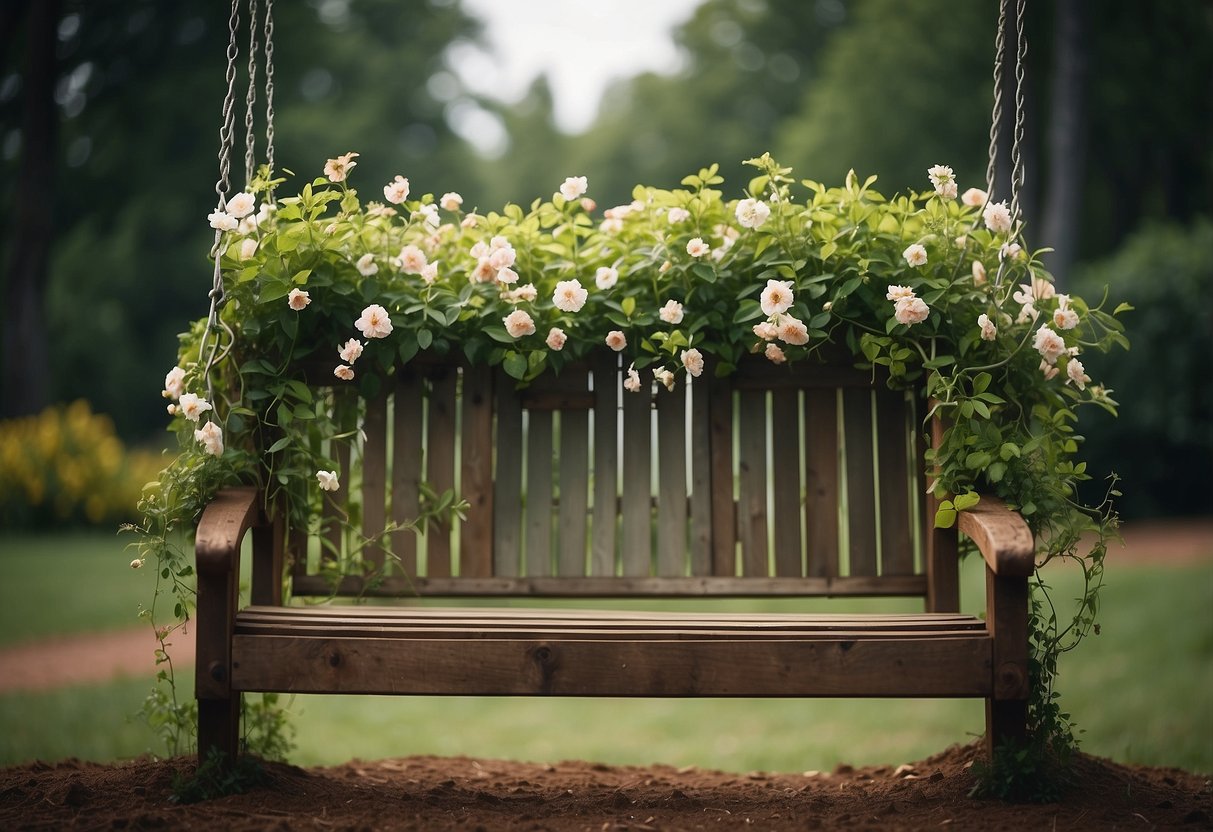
(1002, 536)
(224, 523)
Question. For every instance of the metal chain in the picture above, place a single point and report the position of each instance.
(1000, 51)
(269, 87)
(1021, 53)
(250, 138)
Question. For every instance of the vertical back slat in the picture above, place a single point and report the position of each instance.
(821, 481)
(785, 433)
(539, 493)
(606, 424)
(507, 503)
(752, 502)
(892, 435)
(701, 478)
(724, 515)
(574, 484)
(296, 551)
(671, 481)
(861, 493)
(440, 467)
(336, 503)
(637, 499)
(942, 555)
(374, 478)
(406, 467)
(476, 480)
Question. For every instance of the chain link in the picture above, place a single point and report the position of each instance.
(250, 138)
(1021, 53)
(269, 87)
(1000, 51)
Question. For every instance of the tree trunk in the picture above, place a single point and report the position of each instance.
(24, 366)
(1067, 126)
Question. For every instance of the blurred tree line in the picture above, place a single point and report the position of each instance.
(109, 118)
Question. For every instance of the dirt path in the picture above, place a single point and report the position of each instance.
(86, 659)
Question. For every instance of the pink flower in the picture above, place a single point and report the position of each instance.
(752, 213)
(911, 311)
(241, 205)
(1050, 371)
(1049, 344)
(174, 383)
(338, 169)
(941, 177)
(450, 201)
(556, 339)
(896, 293)
(343, 372)
(979, 272)
(1065, 317)
(506, 276)
(429, 273)
(774, 354)
(793, 331)
(697, 247)
(366, 265)
(569, 296)
(973, 197)
(350, 350)
(632, 382)
(766, 330)
(988, 331)
(222, 221)
(1075, 372)
(573, 187)
(211, 437)
(396, 191)
(484, 271)
(998, 217)
(518, 324)
(664, 377)
(776, 297)
(297, 299)
(469, 221)
(671, 313)
(192, 406)
(412, 260)
(374, 322)
(915, 255)
(616, 340)
(692, 359)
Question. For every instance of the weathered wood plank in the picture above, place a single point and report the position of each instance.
(637, 490)
(701, 477)
(440, 466)
(943, 550)
(574, 488)
(606, 422)
(821, 481)
(671, 482)
(333, 513)
(374, 478)
(724, 517)
(269, 544)
(406, 467)
(752, 499)
(539, 492)
(507, 502)
(476, 479)
(861, 484)
(892, 444)
(785, 436)
(1007, 618)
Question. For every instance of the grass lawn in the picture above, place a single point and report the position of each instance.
(1143, 692)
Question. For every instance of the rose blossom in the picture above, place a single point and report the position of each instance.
(396, 191)
(241, 205)
(556, 338)
(192, 406)
(450, 201)
(248, 247)
(429, 273)
(947, 190)
(573, 187)
(676, 215)
(616, 340)
(692, 359)
(174, 383)
(915, 255)
(484, 272)
(998, 217)
(632, 382)
(611, 225)
(343, 372)
(506, 276)
(671, 313)
(428, 214)
(222, 221)
(1077, 374)
(328, 480)
(374, 322)
(1009, 251)
(911, 311)
(503, 257)
(896, 293)
(569, 295)
(988, 331)
(338, 169)
(1038, 289)
(697, 247)
(973, 197)
(665, 377)
(366, 265)
(751, 213)
(979, 272)
(776, 297)
(766, 330)
(518, 323)
(211, 437)
(297, 299)
(605, 277)
(412, 260)
(793, 331)
(1049, 344)
(350, 350)
(469, 221)
(775, 354)
(526, 292)
(1065, 317)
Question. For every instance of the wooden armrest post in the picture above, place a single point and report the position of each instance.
(217, 551)
(1006, 543)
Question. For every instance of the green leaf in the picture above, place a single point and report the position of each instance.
(966, 501)
(498, 333)
(514, 365)
(279, 445)
(945, 515)
(424, 338)
(828, 249)
(704, 272)
(980, 382)
(628, 305)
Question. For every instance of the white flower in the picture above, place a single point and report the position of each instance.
(941, 177)
(174, 383)
(611, 225)
(1065, 317)
(752, 213)
(665, 377)
(343, 372)
(502, 257)
(896, 293)
(374, 322)
(1050, 371)
(605, 277)
(1049, 344)
(692, 359)
(569, 295)
(350, 350)
(450, 201)
(827, 306)
(776, 297)
(396, 191)
(192, 406)
(766, 330)
(428, 214)
(338, 169)
(136, 563)
(915, 255)
(573, 187)
(556, 338)
(429, 273)
(979, 272)
(793, 331)
(297, 299)
(911, 311)
(998, 217)
(526, 292)
(484, 272)
(671, 313)
(211, 437)
(248, 247)
(518, 323)
(988, 331)
(506, 276)
(222, 221)
(328, 480)
(664, 267)
(1009, 251)
(1075, 371)
(588, 205)
(469, 221)
(172, 410)
(1038, 289)
(947, 190)
(241, 205)
(616, 340)
(411, 260)
(632, 382)
(1027, 313)
(697, 247)
(676, 215)
(366, 265)
(775, 354)
(973, 197)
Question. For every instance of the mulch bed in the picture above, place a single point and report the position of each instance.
(445, 793)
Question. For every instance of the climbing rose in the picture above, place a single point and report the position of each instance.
(915, 255)
(211, 437)
(665, 377)
(573, 187)
(297, 299)
(776, 297)
(556, 338)
(412, 260)
(518, 323)
(350, 350)
(192, 406)
(973, 197)
(998, 217)
(343, 372)
(1009, 251)
(429, 273)
(911, 311)
(979, 272)
(429, 215)
(1049, 344)
(793, 331)
(632, 382)
(697, 247)
(692, 359)
(616, 340)
(671, 313)
(526, 292)
(775, 354)
(1065, 317)
(988, 331)
(766, 330)
(506, 276)
(328, 480)
(751, 213)
(484, 271)
(677, 215)
(241, 205)
(469, 221)
(366, 265)
(450, 201)
(605, 277)
(1075, 371)
(396, 191)
(374, 322)
(337, 169)
(502, 257)
(222, 221)
(174, 383)
(569, 295)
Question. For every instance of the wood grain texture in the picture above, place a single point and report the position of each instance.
(440, 465)
(374, 478)
(861, 482)
(571, 532)
(539, 492)
(822, 470)
(892, 444)
(637, 543)
(752, 479)
(1002, 536)
(724, 517)
(476, 476)
(1007, 619)
(606, 470)
(507, 501)
(269, 552)
(406, 466)
(701, 476)
(671, 482)
(785, 436)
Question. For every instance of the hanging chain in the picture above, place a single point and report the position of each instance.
(250, 138)
(269, 89)
(1021, 53)
(1000, 51)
